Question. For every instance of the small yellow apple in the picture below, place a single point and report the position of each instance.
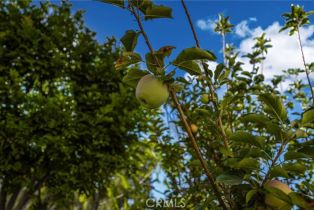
(205, 98)
(151, 92)
(273, 201)
(194, 128)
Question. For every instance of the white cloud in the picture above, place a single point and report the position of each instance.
(253, 19)
(242, 29)
(285, 52)
(206, 25)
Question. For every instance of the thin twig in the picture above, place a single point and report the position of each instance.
(281, 149)
(305, 67)
(211, 87)
(197, 150)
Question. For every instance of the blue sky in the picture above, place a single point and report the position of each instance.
(107, 20)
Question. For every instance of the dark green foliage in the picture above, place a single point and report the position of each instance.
(66, 119)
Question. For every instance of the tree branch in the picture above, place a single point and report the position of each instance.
(182, 115)
(211, 86)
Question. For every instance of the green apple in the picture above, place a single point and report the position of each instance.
(273, 201)
(151, 92)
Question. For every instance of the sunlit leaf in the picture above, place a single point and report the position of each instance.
(119, 3)
(133, 76)
(308, 117)
(158, 11)
(249, 195)
(274, 106)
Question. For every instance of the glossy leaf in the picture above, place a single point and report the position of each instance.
(308, 117)
(295, 155)
(129, 40)
(246, 138)
(278, 171)
(294, 167)
(133, 76)
(298, 200)
(247, 163)
(250, 195)
(158, 11)
(127, 59)
(274, 106)
(194, 53)
(119, 3)
(229, 179)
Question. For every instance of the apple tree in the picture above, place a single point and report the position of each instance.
(242, 143)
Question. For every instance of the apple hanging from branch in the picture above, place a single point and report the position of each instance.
(151, 92)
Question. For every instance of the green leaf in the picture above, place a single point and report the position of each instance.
(308, 117)
(278, 193)
(249, 195)
(133, 76)
(298, 200)
(151, 62)
(127, 59)
(203, 111)
(278, 171)
(254, 118)
(218, 70)
(274, 106)
(247, 163)
(119, 3)
(308, 150)
(226, 151)
(158, 11)
(190, 66)
(246, 138)
(129, 40)
(295, 155)
(310, 13)
(124, 182)
(229, 179)
(165, 51)
(194, 53)
(294, 167)
(142, 5)
(185, 60)
(176, 87)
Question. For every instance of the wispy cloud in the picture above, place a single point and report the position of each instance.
(285, 52)
(206, 24)
(242, 29)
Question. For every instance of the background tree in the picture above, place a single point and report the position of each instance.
(68, 124)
